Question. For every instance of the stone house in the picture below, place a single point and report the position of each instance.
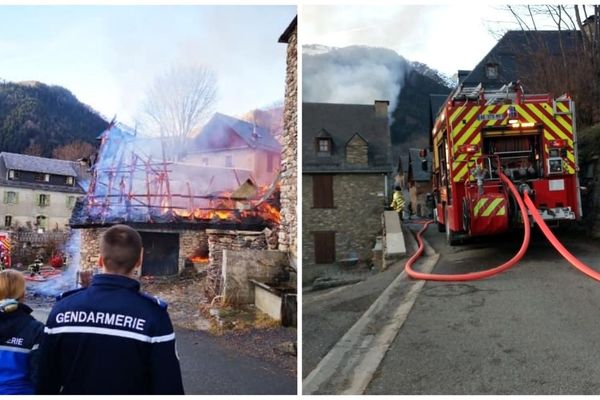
(345, 181)
(37, 192)
(229, 142)
(288, 230)
(414, 176)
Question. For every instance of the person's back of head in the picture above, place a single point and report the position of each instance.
(120, 250)
(12, 285)
(397, 188)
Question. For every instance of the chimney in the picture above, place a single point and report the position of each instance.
(462, 74)
(381, 108)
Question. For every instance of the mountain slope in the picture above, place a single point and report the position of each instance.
(33, 113)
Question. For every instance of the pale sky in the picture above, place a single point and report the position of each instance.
(107, 56)
(445, 37)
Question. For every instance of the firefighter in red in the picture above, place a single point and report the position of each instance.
(110, 338)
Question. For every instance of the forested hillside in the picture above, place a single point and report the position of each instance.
(36, 118)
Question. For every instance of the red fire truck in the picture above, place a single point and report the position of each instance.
(5, 260)
(530, 138)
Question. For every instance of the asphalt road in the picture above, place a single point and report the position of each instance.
(534, 329)
(208, 367)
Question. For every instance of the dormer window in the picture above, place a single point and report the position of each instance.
(491, 71)
(12, 174)
(324, 145)
(39, 177)
(70, 180)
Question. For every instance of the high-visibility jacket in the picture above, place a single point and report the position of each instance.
(397, 201)
(109, 338)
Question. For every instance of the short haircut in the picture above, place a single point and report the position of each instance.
(120, 248)
(12, 284)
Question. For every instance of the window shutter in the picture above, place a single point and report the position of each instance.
(16, 197)
(324, 246)
(323, 191)
(47, 199)
(5, 197)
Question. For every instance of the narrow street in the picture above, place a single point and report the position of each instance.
(530, 330)
(231, 364)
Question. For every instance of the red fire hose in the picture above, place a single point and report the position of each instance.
(557, 245)
(481, 274)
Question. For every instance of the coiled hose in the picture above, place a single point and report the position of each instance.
(480, 274)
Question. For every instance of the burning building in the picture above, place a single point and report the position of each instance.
(186, 213)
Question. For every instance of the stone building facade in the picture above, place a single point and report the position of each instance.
(355, 218)
(289, 161)
(346, 182)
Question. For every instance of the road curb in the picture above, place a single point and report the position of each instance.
(349, 366)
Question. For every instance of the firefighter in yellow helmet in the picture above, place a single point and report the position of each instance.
(398, 201)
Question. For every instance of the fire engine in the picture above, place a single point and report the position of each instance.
(5, 260)
(530, 138)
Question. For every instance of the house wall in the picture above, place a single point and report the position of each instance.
(356, 217)
(289, 161)
(254, 160)
(26, 209)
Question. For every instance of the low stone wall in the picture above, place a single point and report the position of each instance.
(239, 266)
(26, 245)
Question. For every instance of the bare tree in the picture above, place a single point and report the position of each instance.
(179, 101)
(73, 151)
(34, 149)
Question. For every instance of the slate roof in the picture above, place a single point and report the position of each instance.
(244, 129)
(341, 122)
(22, 162)
(285, 36)
(511, 54)
(418, 174)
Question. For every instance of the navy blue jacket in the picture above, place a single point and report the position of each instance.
(109, 339)
(20, 336)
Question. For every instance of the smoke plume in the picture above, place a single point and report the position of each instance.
(354, 74)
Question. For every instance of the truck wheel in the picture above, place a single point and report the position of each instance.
(450, 236)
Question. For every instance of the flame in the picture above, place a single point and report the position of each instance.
(270, 213)
(198, 259)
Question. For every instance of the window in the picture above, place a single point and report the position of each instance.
(324, 245)
(11, 197)
(270, 162)
(41, 221)
(322, 191)
(324, 146)
(43, 200)
(69, 180)
(205, 161)
(12, 174)
(491, 71)
(228, 161)
(7, 220)
(71, 201)
(39, 177)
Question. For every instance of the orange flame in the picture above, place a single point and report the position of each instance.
(198, 259)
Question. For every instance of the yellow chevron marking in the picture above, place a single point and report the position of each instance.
(478, 206)
(471, 129)
(502, 211)
(461, 173)
(563, 107)
(548, 123)
(561, 119)
(455, 114)
(521, 110)
(467, 118)
(502, 110)
(492, 207)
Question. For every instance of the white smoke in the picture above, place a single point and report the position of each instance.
(354, 74)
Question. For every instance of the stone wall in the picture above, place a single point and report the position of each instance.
(239, 266)
(356, 217)
(26, 245)
(357, 151)
(289, 161)
(219, 240)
